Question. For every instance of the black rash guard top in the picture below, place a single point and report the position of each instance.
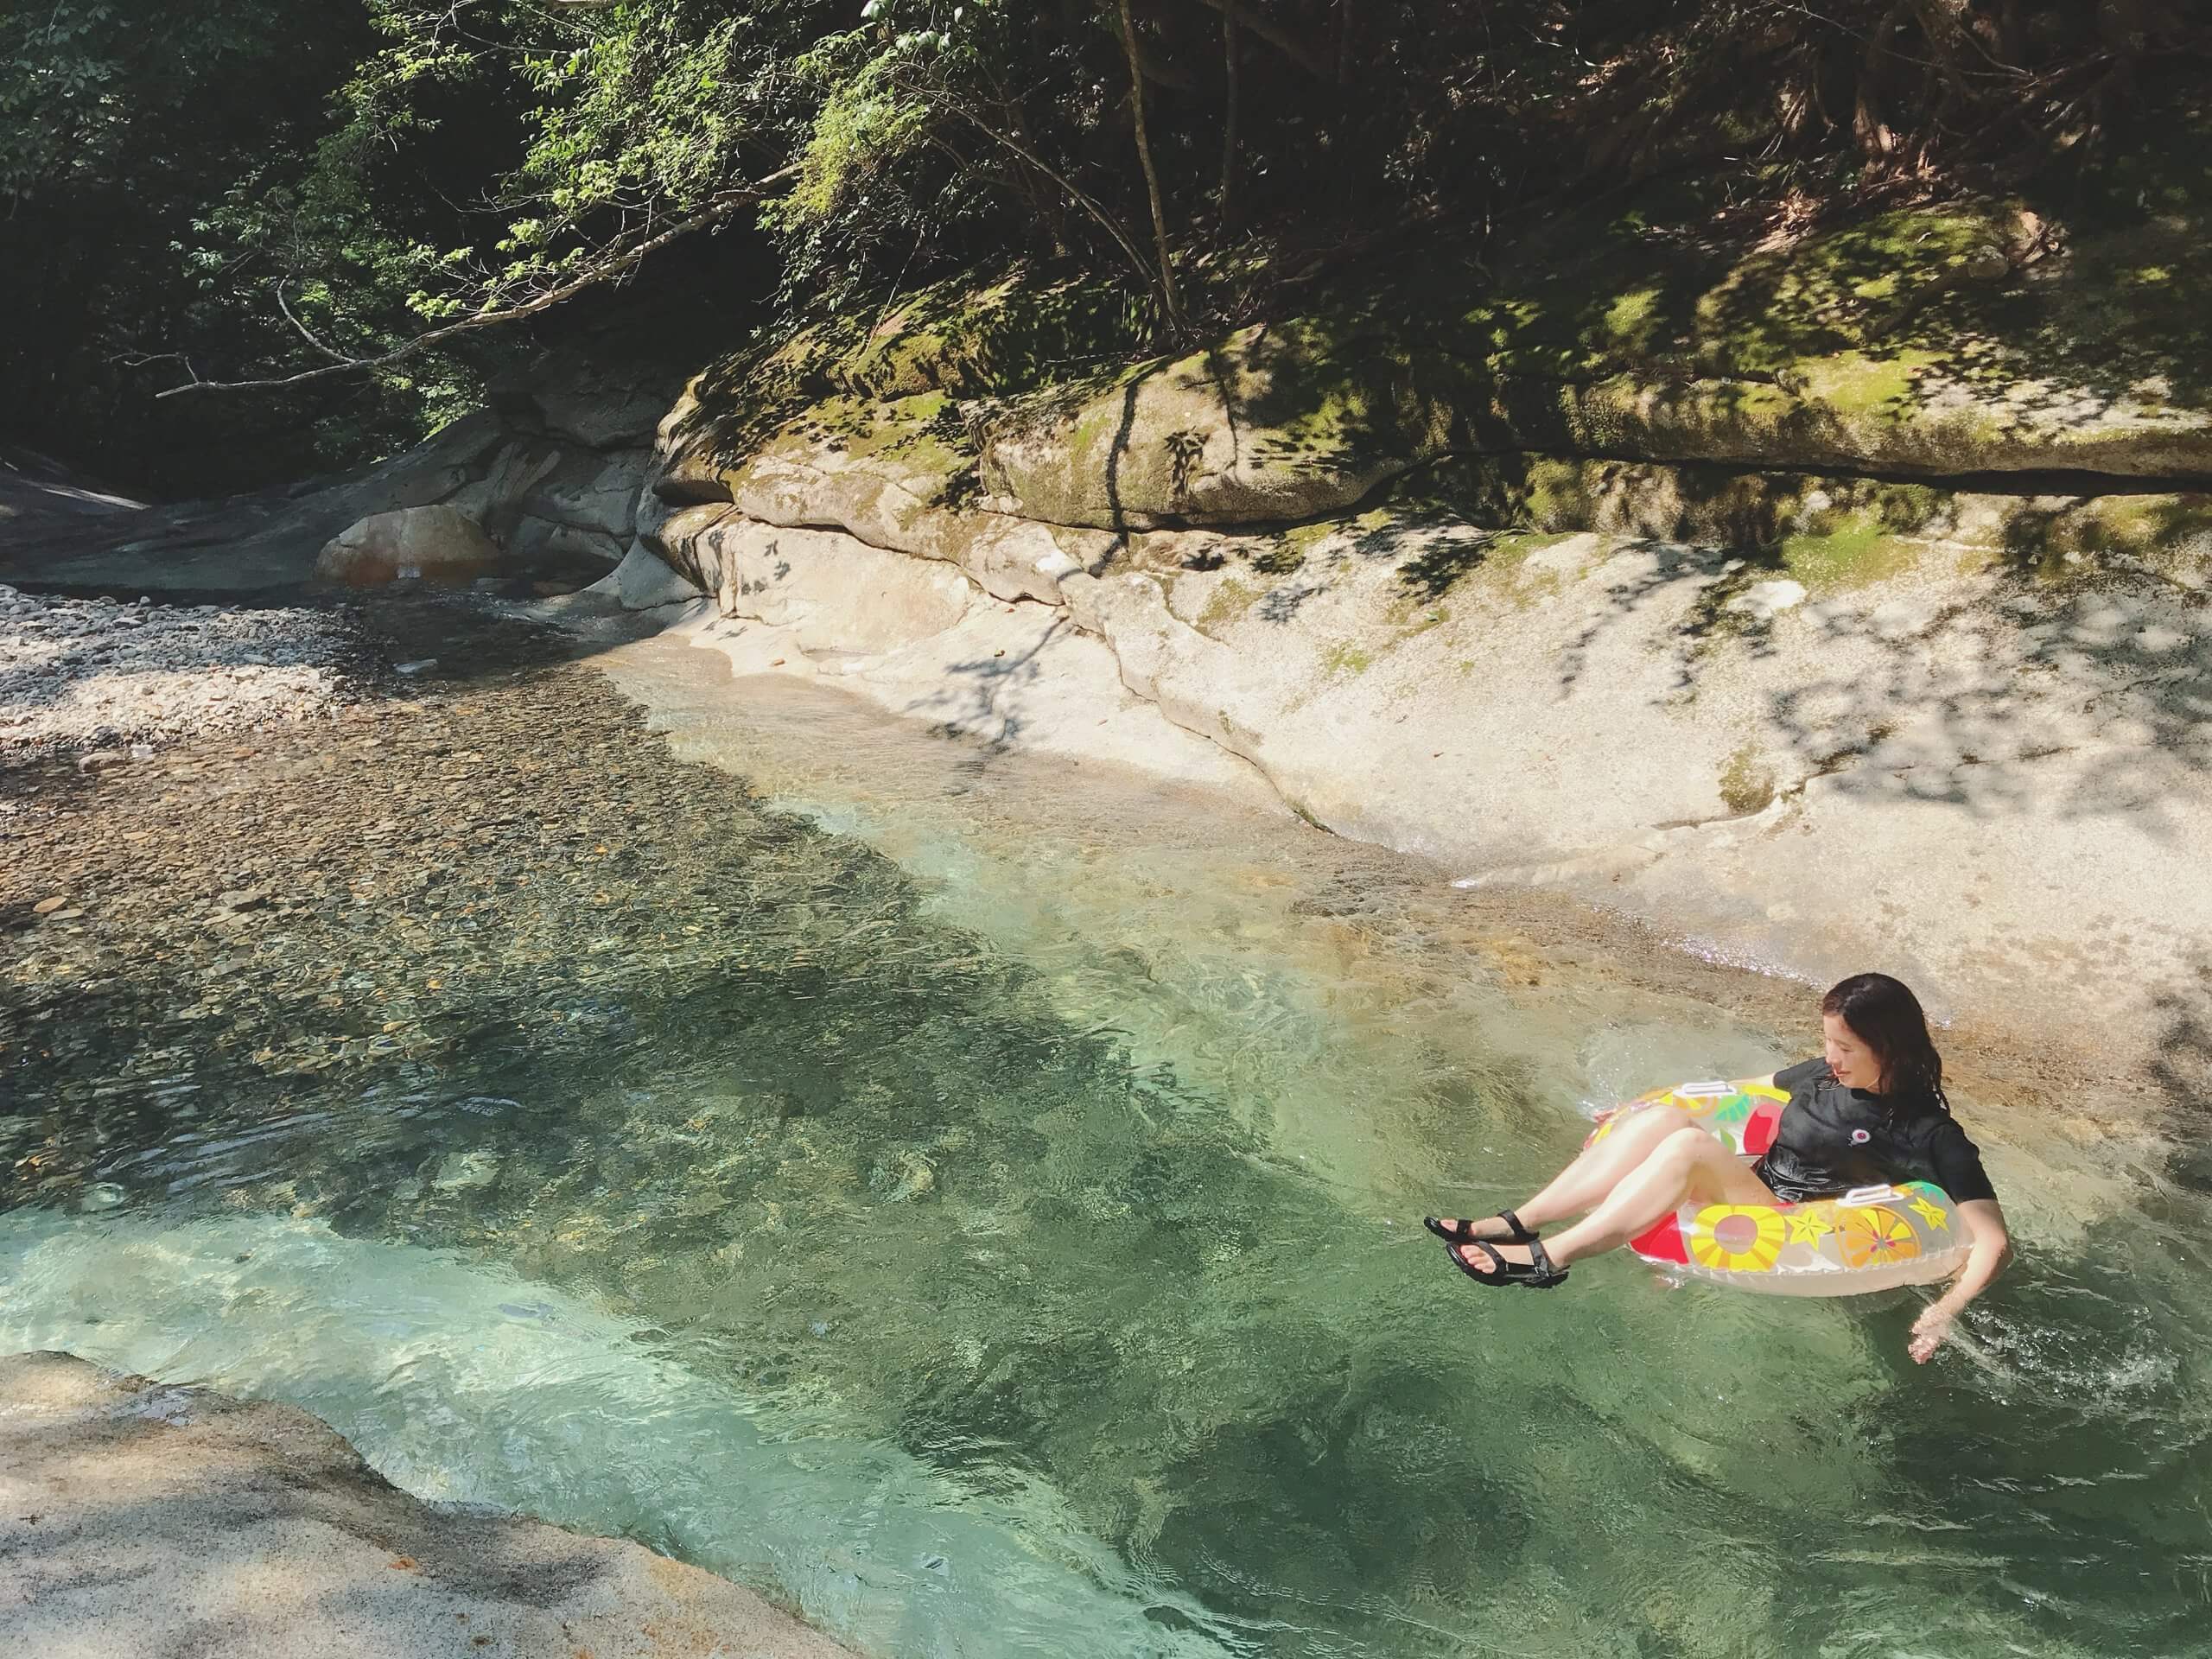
(1832, 1139)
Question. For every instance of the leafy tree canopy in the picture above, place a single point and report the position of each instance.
(225, 191)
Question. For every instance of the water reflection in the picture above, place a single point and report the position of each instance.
(997, 1232)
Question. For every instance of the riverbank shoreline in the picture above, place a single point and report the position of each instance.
(2039, 1058)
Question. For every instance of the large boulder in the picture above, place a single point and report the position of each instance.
(140, 1517)
(436, 544)
(836, 595)
(591, 492)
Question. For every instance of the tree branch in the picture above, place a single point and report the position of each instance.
(719, 208)
(1105, 220)
(334, 355)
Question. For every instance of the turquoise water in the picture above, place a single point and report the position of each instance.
(1005, 1240)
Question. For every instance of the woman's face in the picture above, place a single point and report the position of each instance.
(1853, 1062)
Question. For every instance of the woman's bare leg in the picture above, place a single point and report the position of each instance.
(1688, 1163)
(1584, 1183)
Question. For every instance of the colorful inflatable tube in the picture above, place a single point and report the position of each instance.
(1872, 1238)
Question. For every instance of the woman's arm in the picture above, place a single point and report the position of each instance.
(1992, 1249)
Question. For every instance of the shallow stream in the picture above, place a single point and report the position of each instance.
(988, 1219)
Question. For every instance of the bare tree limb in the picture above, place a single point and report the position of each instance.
(722, 206)
(335, 355)
(1106, 221)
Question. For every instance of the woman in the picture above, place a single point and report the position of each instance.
(1872, 1110)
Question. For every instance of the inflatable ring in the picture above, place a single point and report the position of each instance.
(1872, 1238)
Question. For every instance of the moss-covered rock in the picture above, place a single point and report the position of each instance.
(1008, 337)
(1274, 423)
(1938, 340)
(1828, 529)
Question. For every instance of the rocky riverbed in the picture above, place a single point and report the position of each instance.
(357, 871)
(102, 676)
(429, 863)
(434, 856)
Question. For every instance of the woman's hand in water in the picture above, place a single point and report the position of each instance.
(1929, 1332)
(1993, 1249)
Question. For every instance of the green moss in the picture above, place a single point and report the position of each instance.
(1093, 430)
(1291, 549)
(2166, 535)
(1345, 659)
(1509, 552)
(1844, 290)
(2142, 523)
(1228, 602)
(1412, 613)
(1008, 337)
(924, 434)
(1853, 556)
(1851, 383)
(1746, 786)
(1906, 508)
(1509, 562)
(1632, 320)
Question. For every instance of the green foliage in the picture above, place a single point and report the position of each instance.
(243, 188)
(866, 124)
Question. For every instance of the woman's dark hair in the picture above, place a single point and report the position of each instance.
(1887, 1018)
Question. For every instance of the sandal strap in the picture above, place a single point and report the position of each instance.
(1538, 1272)
(1500, 1270)
(1548, 1273)
(1462, 1231)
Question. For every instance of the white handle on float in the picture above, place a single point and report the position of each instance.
(1869, 1195)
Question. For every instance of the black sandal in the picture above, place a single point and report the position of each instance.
(1457, 1233)
(1538, 1272)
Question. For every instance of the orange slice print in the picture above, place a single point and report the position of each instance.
(1875, 1236)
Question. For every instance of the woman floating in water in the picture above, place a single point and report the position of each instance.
(1871, 1110)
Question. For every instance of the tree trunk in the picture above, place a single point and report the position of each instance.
(1151, 174)
(1943, 25)
(1878, 140)
(1228, 198)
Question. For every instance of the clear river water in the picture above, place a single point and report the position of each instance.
(1005, 1241)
